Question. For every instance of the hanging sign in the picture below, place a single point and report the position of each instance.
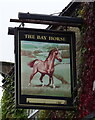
(45, 69)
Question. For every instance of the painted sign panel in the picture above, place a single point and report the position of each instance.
(45, 68)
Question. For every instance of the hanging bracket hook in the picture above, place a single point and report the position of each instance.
(22, 24)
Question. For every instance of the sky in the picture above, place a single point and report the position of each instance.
(9, 9)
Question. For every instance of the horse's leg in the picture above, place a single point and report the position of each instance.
(31, 76)
(42, 75)
(49, 81)
(52, 82)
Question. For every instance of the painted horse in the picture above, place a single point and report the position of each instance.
(45, 67)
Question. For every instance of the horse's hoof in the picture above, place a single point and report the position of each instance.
(48, 85)
(53, 86)
(42, 84)
(29, 84)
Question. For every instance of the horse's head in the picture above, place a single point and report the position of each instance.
(57, 55)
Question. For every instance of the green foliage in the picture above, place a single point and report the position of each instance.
(0, 111)
(44, 115)
(56, 115)
(8, 102)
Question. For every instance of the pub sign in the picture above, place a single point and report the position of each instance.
(45, 69)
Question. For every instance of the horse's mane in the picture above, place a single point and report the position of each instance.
(51, 52)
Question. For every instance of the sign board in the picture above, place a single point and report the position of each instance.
(45, 69)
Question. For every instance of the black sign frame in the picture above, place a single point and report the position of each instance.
(40, 36)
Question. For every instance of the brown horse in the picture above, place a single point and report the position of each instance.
(45, 67)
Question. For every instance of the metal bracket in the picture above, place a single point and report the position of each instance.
(22, 24)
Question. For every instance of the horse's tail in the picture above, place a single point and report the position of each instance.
(32, 63)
